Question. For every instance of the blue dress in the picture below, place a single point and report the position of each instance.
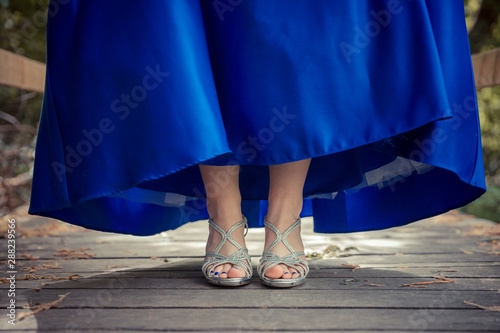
(379, 93)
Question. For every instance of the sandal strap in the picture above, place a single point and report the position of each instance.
(240, 257)
(270, 259)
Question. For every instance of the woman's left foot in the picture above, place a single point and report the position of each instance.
(281, 264)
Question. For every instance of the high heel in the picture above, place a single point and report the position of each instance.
(239, 258)
(270, 259)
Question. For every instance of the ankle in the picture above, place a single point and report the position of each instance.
(283, 221)
(226, 221)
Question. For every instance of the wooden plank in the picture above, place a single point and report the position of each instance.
(150, 267)
(21, 72)
(261, 319)
(196, 281)
(128, 298)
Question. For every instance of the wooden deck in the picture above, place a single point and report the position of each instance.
(151, 284)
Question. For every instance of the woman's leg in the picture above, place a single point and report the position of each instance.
(285, 204)
(224, 208)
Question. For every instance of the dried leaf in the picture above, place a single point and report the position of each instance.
(329, 252)
(487, 308)
(441, 280)
(353, 267)
(116, 266)
(484, 230)
(80, 253)
(29, 257)
(34, 268)
(47, 229)
(373, 285)
(47, 277)
(38, 308)
(347, 281)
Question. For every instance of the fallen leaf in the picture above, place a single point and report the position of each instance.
(29, 256)
(487, 308)
(347, 281)
(38, 308)
(80, 253)
(47, 229)
(373, 285)
(329, 252)
(34, 268)
(441, 280)
(116, 266)
(484, 230)
(47, 277)
(353, 267)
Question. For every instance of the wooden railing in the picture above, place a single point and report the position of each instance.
(21, 72)
(487, 68)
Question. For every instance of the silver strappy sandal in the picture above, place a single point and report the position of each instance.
(241, 258)
(270, 259)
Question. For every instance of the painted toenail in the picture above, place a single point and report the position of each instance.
(211, 272)
(287, 273)
(223, 273)
(216, 273)
(294, 273)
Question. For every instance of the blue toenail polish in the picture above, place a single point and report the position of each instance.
(211, 272)
(223, 273)
(287, 273)
(216, 273)
(294, 273)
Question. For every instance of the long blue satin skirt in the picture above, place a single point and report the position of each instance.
(379, 93)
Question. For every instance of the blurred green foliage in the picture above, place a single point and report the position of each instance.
(483, 21)
(22, 30)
